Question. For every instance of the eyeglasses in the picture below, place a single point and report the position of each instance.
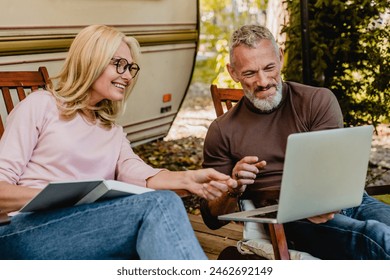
(122, 65)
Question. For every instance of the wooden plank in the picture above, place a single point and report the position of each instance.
(211, 256)
(231, 230)
(214, 241)
(214, 244)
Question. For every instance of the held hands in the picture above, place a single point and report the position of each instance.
(211, 184)
(215, 184)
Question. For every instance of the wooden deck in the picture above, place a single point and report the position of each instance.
(214, 241)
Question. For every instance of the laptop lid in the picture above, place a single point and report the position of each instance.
(324, 171)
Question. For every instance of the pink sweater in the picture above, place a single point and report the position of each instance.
(38, 147)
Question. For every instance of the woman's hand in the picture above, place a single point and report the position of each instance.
(211, 184)
(13, 197)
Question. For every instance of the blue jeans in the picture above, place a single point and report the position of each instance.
(360, 233)
(152, 225)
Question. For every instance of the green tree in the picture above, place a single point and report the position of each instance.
(217, 21)
(349, 54)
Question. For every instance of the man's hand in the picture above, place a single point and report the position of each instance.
(246, 169)
(322, 218)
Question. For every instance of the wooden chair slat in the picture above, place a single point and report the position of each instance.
(9, 104)
(229, 104)
(21, 93)
(1, 127)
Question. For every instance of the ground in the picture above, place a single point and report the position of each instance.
(182, 147)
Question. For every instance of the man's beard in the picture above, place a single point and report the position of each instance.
(267, 104)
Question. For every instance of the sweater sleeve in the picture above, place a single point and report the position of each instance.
(131, 168)
(325, 111)
(216, 150)
(21, 135)
(216, 155)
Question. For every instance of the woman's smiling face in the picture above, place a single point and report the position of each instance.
(111, 85)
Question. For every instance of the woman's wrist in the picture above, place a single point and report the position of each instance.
(189, 180)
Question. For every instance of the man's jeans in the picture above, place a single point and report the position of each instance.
(361, 232)
(153, 225)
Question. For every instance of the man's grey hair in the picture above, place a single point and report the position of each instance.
(250, 35)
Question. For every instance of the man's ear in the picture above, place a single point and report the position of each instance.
(232, 73)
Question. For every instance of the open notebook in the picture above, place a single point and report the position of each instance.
(324, 171)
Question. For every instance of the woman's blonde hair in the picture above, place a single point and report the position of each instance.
(90, 53)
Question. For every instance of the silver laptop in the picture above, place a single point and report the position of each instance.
(324, 171)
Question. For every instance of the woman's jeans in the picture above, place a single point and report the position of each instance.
(361, 232)
(153, 225)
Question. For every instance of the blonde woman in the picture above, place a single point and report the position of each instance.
(69, 133)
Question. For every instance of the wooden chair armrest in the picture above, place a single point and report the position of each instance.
(378, 190)
(182, 193)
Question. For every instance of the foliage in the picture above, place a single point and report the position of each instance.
(349, 50)
(182, 154)
(204, 71)
(176, 155)
(385, 198)
(218, 19)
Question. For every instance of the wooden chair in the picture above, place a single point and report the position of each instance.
(16, 85)
(224, 99)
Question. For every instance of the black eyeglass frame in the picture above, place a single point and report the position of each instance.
(128, 66)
